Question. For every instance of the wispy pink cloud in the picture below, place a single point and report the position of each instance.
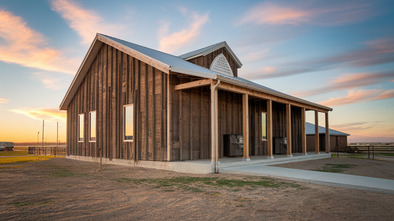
(270, 13)
(3, 100)
(348, 81)
(27, 47)
(51, 114)
(376, 52)
(171, 42)
(359, 96)
(85, 22)
(307, 12)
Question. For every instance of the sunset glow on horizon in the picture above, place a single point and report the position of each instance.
(335, 53)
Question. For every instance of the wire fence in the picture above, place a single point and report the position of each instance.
(48, 150)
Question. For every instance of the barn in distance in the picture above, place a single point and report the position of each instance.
(131, 104)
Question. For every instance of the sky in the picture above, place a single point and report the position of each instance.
(335, 53)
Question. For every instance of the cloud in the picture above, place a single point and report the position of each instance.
(85, 22)
(171, 42)
(359, 96)
(3, 100)
(51, 81)
(275, 14)
(348, 81)
(50, 114)
(25, 46)
(376, 52)
(308, 12)
(352, 126)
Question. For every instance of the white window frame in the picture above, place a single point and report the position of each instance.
(90, 126)
(124, 123)
(262, 137)
(81, 139)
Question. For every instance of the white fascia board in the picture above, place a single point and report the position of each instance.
(194, 73)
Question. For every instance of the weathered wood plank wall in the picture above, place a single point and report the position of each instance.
(114, 80)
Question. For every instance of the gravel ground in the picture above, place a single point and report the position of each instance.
(63, 189)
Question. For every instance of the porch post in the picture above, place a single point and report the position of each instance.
(303, 134)
(288, 129)
(317, 132)
(214, 129)
(169, 111)
(245, 119)
(327, 135)
(269, 129)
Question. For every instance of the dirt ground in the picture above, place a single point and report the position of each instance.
(63, 189)
(382, 168)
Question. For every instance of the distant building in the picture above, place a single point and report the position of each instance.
(7, 146)
(338, 139)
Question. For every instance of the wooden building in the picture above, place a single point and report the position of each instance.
(134, 103)
(338, 139)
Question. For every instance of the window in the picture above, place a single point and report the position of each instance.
(81, 131)
(92, 118)
(264, 126)
(128, 122)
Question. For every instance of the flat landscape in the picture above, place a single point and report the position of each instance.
(64, 189)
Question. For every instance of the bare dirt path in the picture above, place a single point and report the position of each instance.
(62, 189)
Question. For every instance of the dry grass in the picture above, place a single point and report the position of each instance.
(13, 153)
(25, 159)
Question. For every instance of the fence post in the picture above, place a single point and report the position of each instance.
(368, 152)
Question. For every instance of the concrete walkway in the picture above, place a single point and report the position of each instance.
(329, 179)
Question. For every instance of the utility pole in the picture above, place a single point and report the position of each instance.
(35, 149)
(42, 134)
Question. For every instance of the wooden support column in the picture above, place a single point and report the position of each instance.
(245, 119)
(327, 135)
(303, 133)
(316, 132)
(269, 129)
(214, 128)
(288, 129)
(169, 121)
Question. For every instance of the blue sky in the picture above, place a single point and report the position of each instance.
(336, 53)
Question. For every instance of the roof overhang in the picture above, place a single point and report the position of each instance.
(217, 47)
(91, 55)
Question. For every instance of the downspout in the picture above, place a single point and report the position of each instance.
(215, 152)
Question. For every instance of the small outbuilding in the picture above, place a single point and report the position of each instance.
(129, 103)
(338, 139)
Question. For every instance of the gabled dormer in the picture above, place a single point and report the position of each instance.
(217, 57)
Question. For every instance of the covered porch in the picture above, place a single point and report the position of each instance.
(242, 114)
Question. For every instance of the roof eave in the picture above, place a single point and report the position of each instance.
(223, 44)
(93, 49)
(288, 97)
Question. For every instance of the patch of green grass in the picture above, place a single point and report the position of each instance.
(387, 154)
(60, 172)
(195, 184)
(335, 168)
(13, 153)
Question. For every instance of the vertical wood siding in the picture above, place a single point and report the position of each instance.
(114, 80)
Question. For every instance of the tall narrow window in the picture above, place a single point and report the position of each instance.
(81, 129)
(128, 123)
(264, 126)
(92, 119)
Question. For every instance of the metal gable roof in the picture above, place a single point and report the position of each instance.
(310, 130)
(206, 50)
(166, 63)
